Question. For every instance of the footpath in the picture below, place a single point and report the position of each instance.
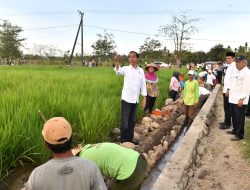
(222, 166)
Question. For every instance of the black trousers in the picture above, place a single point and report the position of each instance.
(134, 181)
(248, 109)
(227, 110)
(150, 102)
(173, 94)
(128, 121)
(238, 118)
(219, 76)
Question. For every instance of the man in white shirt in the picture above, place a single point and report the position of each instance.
(210, 80)
(134, 85)
(239, 90)
(64, 171)
(230, 73)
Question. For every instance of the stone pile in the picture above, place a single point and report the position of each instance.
(153, 123)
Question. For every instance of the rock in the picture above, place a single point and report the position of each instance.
(165, 118)
(153, 159)
(159, 151)
(146, 120)
(145, 132)
(147, 125)
(154, 148)
(162, 139)
(169, 101)
(155, 125)
(202, 173)
(116, 131)
(179, 102)
(165, 111)
(198, 161)
(172, 135)
(150, 129)
(165, 145)
(180, 120)
(151, 164)
(136, 136)
(145, 155)
(152, 116)
(226, 156)
(174, 108)
(158, 117)
(128, 145)
(200, 150)
(167, 138)
(139, 129)
(191, 173)
(150, 152)
(176, 128)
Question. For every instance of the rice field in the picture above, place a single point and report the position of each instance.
(89, 98)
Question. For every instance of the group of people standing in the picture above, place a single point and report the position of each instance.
(236, 93)
(137, 83)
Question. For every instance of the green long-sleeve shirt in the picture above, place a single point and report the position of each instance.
(191, 92)
(112, 159)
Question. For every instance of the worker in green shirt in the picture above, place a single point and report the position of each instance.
(191, 97)
(125, 165)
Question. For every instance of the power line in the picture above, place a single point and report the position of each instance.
(151, 12)
(118, 30)
(51, 27)
(132, 32)
(157, 35)
(134, 12)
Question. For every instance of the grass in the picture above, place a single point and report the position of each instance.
(89, 98)
(246, 147)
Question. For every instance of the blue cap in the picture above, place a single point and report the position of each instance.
(240, 58)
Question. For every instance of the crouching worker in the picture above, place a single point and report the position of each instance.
(64, 171)
(126, 166)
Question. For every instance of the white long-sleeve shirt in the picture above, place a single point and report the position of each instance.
(229, 76)
(210, 79)
(134, 83)
(239, 87)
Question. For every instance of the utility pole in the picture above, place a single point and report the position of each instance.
(81, 13)
(72, 52)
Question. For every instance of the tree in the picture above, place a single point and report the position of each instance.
(105, 44)
(217, 53)
(10, 41)
(52, 52)
(150, 45)
(241, 50)
(39, 49)
(180, 30)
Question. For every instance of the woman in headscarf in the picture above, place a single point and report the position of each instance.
(152, 86)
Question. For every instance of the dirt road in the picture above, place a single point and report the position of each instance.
(222, 165)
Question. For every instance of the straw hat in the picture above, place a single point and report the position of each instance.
(152, 65)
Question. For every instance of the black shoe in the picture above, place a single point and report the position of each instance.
(222, 123)
(236, 138)
(135, 142)
(231, 132)
(224, 127)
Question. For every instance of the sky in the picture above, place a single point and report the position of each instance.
(56, 22)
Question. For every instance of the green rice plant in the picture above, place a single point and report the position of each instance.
(89, 98)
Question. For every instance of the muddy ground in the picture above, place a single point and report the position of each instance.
(222, 166)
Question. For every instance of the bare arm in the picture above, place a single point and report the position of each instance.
(117, 61)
